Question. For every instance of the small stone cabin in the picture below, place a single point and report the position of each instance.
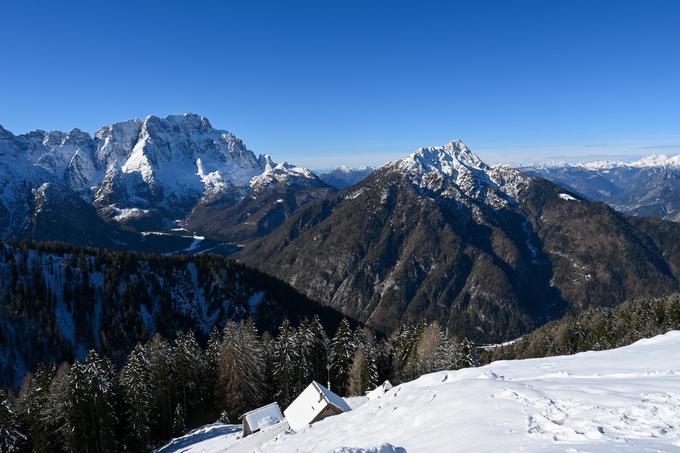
(260, 418)
(315, 403)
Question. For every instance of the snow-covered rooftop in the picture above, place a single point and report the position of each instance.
(263, 417)
(310, 403)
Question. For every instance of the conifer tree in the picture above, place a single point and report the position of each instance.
(318, 350)
(404, 344)
(11, 437)
(341, 357)
(286, 363)
(269, 389)
(33, 406)
(240, 369)
(466, 355)
(179, 426)
(55, 413)
(189, 362)
(137, 398)
(92, 411)
(209, 381)
(162, 384)
(303, 343)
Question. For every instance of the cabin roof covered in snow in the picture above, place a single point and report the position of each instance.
(263, 417)
(331, 397)
(379, 390)
(313, 400)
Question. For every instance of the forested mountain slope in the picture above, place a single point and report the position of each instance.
(57, 301)
(489, 252)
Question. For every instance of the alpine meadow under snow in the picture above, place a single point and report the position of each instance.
(620, 400)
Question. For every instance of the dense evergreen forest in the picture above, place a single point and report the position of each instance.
(165, 387)
(57, 302)
(595, 329)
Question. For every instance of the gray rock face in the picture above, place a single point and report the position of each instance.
(140, 175)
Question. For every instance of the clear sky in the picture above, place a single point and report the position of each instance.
(324, 83)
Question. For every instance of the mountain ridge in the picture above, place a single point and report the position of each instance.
(488, 251)
(139, 175)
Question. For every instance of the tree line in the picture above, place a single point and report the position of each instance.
(166, 387)
(58, 301)
(596, 329)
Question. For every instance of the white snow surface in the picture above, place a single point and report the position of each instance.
(567, 197)
(214, 438)
(379, 391)
(454, 171)
(622, 400)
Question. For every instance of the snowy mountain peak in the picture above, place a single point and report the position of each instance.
(445, 160)
(159, 166)
(266, 162)
(282, 173)
(454, 171)
(657, 160)
(651, 161)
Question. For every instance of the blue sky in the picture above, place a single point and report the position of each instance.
(325, 83)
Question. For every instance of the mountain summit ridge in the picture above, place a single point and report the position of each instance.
(139, 174)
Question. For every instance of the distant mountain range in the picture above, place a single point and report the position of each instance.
(343, 177)
(489, 251)
(647, 187)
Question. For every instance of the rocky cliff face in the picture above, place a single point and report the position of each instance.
(144, 175)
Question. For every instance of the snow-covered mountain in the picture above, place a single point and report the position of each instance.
(621, 400)
(488, 251)
(343, 177)
(139, 174)
(647, 187)
(453, 171)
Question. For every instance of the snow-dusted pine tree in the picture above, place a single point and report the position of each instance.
(32, 407)
(318, 350)
(179, 426)
(11, 437)
(303, 342)
(286, 363)
(92, 410)
(240, 370)
(466, 355)
(137, 398)
(341, 357)
(189, 363)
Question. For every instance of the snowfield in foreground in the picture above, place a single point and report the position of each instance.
(626, 400)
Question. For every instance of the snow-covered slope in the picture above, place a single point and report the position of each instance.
(626, 400)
